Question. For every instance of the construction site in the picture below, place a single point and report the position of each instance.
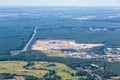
(63, 47)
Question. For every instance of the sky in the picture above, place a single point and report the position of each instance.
(59, 2)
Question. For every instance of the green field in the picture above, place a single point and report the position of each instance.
(14, 67)
(61, 69)
(40, 69)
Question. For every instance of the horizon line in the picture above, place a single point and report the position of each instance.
(51, 6)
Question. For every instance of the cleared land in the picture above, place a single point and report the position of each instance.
(56, 46)
(60, 44)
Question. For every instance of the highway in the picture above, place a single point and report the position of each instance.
(30, 40)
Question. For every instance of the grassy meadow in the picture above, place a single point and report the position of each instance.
(14, 67)
(40, 69)
(61, 69)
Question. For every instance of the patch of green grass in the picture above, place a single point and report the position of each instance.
(61, 69)
(15, 67)
(40, 69)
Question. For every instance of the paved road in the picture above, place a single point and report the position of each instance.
(33, 35)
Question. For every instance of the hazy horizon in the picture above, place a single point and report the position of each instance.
(62, 3)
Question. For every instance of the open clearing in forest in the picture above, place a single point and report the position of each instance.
(40, 69)
(61, 69)
(16, 67)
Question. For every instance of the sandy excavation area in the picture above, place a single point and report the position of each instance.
(50, 45)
